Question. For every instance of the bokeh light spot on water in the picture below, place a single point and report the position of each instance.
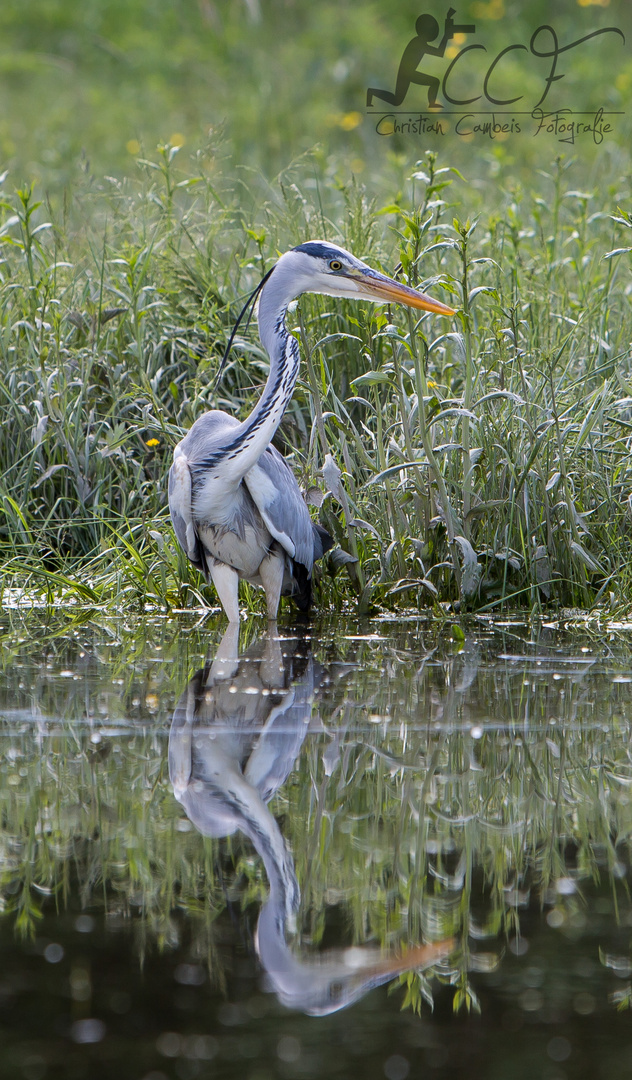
(559, 1048)
(258, 1006)
(190, 974)
(584, 1004)
(565, 886)
(555, 918)
(168, 1044)
(200, 1047)
(531, 1000)
(84, 924)
(396, 1067)
(288, 1048)
(54, 953)
(87, 1031)
(80, 983)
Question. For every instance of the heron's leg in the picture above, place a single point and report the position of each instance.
(271, 573)
(271, 670)
(226, 659)
(226, 581)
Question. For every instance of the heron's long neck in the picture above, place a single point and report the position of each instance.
(243, 801)
(254, 434)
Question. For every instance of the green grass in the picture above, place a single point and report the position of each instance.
(509, 485)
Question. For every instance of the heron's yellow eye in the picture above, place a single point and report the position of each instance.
(335, 264)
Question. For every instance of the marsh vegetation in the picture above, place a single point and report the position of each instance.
(485, 459)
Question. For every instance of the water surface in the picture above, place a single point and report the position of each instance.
(343, 849)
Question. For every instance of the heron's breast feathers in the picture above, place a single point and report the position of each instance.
(244, 552)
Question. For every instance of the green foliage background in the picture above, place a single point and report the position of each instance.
(79, 80)
(123, 267)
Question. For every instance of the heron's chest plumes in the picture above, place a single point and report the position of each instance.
(217, 500)
(238, 537)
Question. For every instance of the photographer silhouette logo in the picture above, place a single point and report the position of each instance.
(427, 29)
(491, 112)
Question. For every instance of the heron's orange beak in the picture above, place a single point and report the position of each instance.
(378, 287)
(419, 957)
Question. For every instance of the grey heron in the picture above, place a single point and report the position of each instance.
(235, 735)
(236, 506)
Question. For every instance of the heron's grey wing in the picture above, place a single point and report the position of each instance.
(194, 486)
(180, 737)
(278, 498)
(181, 509)
(279, 744)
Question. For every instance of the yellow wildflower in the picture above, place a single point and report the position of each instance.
(349, 121)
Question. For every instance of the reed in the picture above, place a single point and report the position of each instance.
(483, 463)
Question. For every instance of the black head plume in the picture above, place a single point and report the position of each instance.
(250, 302)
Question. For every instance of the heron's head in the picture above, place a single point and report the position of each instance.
(320, 267)
(324, 983)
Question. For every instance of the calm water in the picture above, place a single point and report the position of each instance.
(352, 849)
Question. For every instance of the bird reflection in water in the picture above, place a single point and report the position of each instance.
(235, 736)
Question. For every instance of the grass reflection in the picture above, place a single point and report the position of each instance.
(443, 790)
